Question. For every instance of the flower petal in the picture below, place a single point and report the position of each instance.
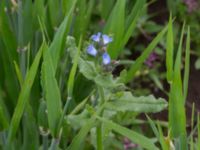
(96, 37)
(106, 39)
(106, 58)
(91, 50)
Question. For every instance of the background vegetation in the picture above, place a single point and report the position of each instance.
(54, 95)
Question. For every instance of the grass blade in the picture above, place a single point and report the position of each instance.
(132, 135)
(158, 133)
(57, 46)
(187, 65)
(131, 21)
(80, 137)
(30, 130)
(23, 96)
(198, 124)
(52, 93)
(169, 51)
(18, 73)
(138, 63)
(176, 102)
(115, 25)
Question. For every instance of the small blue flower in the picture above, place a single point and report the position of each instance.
(96, 37)
(91, 50)
(106, 39)
(106, 58)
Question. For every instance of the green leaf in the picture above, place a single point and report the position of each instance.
(39, 12)
(132, 135)
(42, 115)
(4, 124)
(77, 121)
(54, 10)
(8, 54)
(131, 21)
(198, 126)
(30, 130)
(106, 81)
(88, 69)
(57, 46)
(7, 34)
(115, 26)
(24, 95)
(169, 51)
(197, 64)
(67, 5)
(106, 8)
(72, 74)
(82, 18)
(158, 133)
(139, 61)
(176, 101)
(52, 93)
(125, 101)
(18, 73)
(78, 140)
(187, 66)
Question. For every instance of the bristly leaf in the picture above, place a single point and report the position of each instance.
(125, 101)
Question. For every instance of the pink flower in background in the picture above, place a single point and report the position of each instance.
(128, 144)
(192, 5)
(151, 59)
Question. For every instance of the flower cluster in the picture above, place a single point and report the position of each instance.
(101, 41)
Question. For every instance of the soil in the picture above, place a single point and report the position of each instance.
(160, 7)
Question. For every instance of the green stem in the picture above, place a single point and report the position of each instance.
(99, 127)
(101, 95)
(54, 144)
(99, 137)
(69, 98)
(3, 137)
(45, 142)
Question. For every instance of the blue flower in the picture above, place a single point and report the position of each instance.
(91, 50)
(106, 58)
(96, 37)
(106, 39)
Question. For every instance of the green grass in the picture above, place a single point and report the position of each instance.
(55, 96)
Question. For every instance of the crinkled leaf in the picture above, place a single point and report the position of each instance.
(77, 121)
(125, 101)
(106, 81)
(88, 69)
